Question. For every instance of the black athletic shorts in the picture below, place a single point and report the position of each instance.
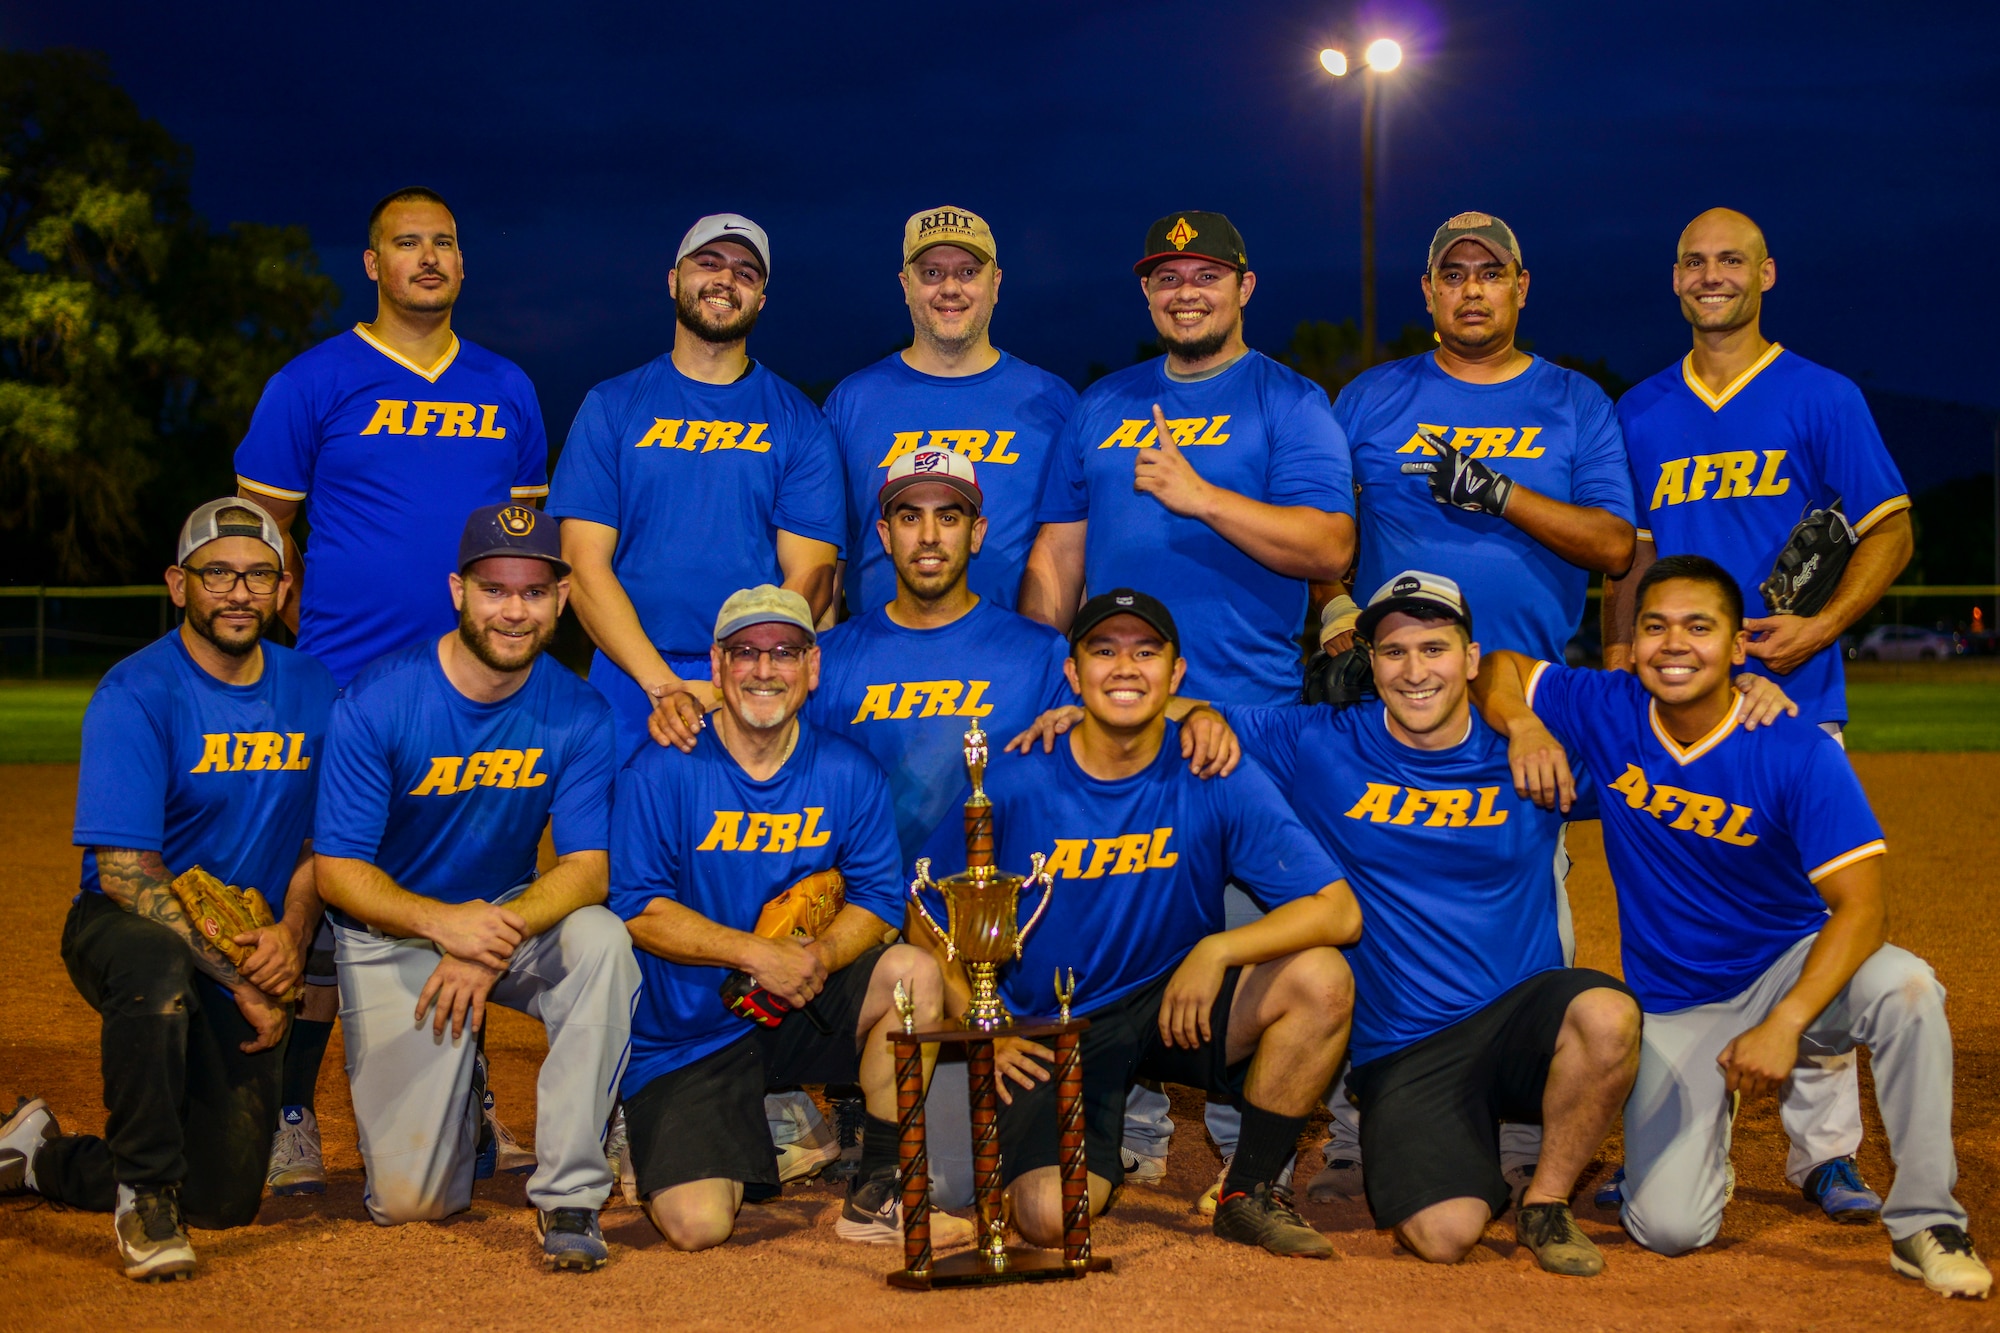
(1121, 1046)
(1431, 1112)
(705, 1121)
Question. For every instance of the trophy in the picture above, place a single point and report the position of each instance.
(982, 904)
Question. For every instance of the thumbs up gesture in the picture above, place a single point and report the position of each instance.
(1164, 473)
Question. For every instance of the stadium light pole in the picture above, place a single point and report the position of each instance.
(1378, 58)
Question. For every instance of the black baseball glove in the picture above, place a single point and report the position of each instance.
(1808, 568)
(1339, 679)
(1459, 479)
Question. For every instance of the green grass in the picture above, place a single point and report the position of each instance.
(41, 721)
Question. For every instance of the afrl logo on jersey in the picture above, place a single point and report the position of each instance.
(1128, 854)
(979, 446)
(451, 774)
(253, 752)
(398, 416)
(1451, 807)
(1688, 811)
(1483, 441)
(1187, 432)
(754, 831)
(706, 436)
(922, 698)
(1724, 476)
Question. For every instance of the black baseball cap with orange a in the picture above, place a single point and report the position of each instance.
(1194, 235)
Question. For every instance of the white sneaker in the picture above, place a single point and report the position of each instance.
(1340, 1178)
(1943, 1259)
(509, 1155)
(872, 1214)
(22, 1134)
(806, 1144)
(1206, 1204)
(297, 1165)
(152, 1239)
(618, 1156)
(1142, 1168)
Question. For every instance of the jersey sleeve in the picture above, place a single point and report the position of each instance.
(531, 471)
(1270, 852)
(121, 789)
(1853, 458)
(1270, 735)
(580, 814)
(645, 859)
(1310, 464)
(1602, 474)
(278, 452)
(1827, 813)
(1056, 692)
(870, 857)
(1065, 498)
(354, 786)
(811, 497)
(1552, 692)
(586, 480)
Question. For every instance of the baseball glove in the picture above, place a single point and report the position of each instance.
(1809, 567)
(803, 911)
(221, 912)
(1462, 481)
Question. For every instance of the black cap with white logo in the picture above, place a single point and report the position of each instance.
(1123, 602)
(1414, 591)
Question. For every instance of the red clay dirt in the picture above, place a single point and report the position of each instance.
(319, 1263)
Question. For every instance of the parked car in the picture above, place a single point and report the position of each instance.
(1905, 643)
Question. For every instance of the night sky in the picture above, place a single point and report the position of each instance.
(577, 142)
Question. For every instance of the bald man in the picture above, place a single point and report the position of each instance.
(1729, 448)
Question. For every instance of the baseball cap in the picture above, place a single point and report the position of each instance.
(946, 225)
(942, 466)
(511, 530)
(1123, 602)
(765, 604)
(1198, 235)
(1484, 228)
(1414, 590)
(728, 227)
(232, 517)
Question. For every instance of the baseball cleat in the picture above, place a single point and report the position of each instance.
(1942, 1258)
(1142, 1168)
(571, 1240)
(618, 1156)
(872, 1214)
(1340, 1178)
(1205, 1205)
(297, 1165)
(1551, 1234)
(1841, 1194)
(27, 1127)
(152, 1239)
(1265, 1217)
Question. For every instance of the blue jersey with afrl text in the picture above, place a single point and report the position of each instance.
(1259, 429)
(1727, 475)
(1549, 429)
(697, 830)
(1714, 846)
(1139, 863)
(447, 796)
(1454, 872)
(908, 696)
(1005, 420)
(390, 458)
(204, 773)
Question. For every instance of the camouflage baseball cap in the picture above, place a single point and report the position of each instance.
(1484, 228)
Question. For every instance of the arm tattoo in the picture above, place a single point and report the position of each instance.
(140, 883)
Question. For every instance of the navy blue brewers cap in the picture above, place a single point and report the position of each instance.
(511, 530)
(1123, 602)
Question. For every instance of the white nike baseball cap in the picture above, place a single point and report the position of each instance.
(728, 227)
(1414, 590)
(945, 467)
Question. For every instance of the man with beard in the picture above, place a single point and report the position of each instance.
(387, 435)
(444, 762)
(952, 389)
(699, 473)
(199, 750)
(1729, 448)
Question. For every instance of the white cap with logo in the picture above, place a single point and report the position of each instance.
(231, 517)
(728, 227)
(1414, 590)
(944, 467)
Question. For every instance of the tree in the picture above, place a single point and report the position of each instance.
(134, 340)
(1329, 354)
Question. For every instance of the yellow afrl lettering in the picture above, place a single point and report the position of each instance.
(1121, 854)
(765, 831)
(1684, 811)
(214, 752)
(1377, 803)
(1720, 476)
(388, 417)
(442, 778)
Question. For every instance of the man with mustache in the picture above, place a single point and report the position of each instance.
(699, 473)
(200, 750)
(444, 763)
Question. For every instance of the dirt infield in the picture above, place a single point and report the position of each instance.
(320, 1263)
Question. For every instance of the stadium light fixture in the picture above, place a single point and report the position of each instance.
(1379, 57)
(1383, 55)
(1334, 61)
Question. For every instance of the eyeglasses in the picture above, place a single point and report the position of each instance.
(784, 657)
(223, 579)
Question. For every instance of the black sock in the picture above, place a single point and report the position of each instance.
(878, 1148)
(1263, 1146)
(302, 1061)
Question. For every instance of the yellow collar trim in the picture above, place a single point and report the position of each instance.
(443, 362)
(1716, 400)
(1685, 755)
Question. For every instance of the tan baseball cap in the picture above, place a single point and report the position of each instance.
(1489, 231)
(231, 517)
(765, 604)
(946, 225)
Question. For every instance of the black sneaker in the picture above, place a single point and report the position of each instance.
(1558, 1244)
(872, 1214)
(1265, 1217)
(571, 1240)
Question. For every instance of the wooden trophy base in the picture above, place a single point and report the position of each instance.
(970, 1268)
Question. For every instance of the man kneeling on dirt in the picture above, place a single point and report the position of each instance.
(200, 750)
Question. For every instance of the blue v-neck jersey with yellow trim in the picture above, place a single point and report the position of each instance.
(1728, 474)
(389, 458)
(1715, 847)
